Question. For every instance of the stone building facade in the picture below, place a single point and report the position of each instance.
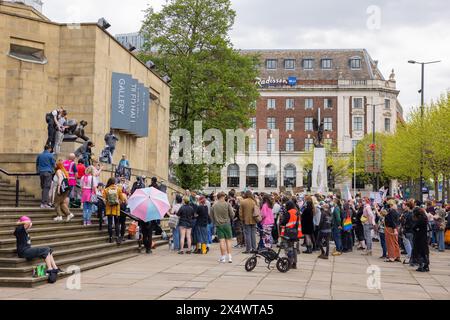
(44, 64)
(294, 85)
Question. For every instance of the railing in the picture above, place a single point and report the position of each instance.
(17, 175)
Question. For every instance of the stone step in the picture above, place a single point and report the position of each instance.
(47, 223)
(22, 203)
(54, 230)
(10, 252)
(12, 194)
(31, 212)
(78, 260)
(61, 254)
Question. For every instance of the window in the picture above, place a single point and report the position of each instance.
(358, 123)
(308, 64)
(271, 123)
(357, 103)
(252, 176)
(290, 176)
(271, 64)
(271, 176)
(252, 145)
(387, 104)
(309, 103)
(271, 103)
(328, 143)
(328, 103)
(387, 124)
(309, 143)
(28, 54)
(290, 144)
(253, 123)
(309, 124)
(326, 63)
(233, 176)
(289, 103)
(271, 145)
(289, 124)
(328, 124)
(355, 63)
(289, 64)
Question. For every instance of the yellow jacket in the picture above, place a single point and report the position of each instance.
(113, 210)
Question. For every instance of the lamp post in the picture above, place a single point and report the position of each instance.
(375, 175)
(422, 111)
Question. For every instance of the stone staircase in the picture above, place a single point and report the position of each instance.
(73, 244)
(8, 196)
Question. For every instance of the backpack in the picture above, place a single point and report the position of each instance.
(112, 196)
(49, 117)
(173, 221)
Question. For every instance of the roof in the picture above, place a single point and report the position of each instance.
(340, 64)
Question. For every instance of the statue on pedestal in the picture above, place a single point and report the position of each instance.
(75, 130)
(318, 126)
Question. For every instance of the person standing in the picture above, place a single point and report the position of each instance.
(359, 229)
(113, 196)
(308, 224)
(291, 220)
(407, 225)
(45, 164)
(201, 226)
(222, 215)
(440, 223)
(71, 169)
(175, 220)
(381, 227)
(88, 190)
(59, 135)
(267, 222)
(368, 221)
(323, 239)
(391, 233)
(347, 214)
(246, 211)
(52, 126)
(186, 214)
(420, 243)
(62, 194)
(337, 227)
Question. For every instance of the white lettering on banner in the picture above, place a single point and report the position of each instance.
(121, 102)
(133, 103)
(271, 81)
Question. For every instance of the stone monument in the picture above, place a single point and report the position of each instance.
(320, 167)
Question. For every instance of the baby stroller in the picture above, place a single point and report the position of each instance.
(269, 256)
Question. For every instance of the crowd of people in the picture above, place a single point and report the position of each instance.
(405, 229)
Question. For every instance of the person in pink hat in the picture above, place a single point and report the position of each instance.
(24, 249)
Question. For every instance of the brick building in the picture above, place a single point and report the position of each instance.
(345, 85)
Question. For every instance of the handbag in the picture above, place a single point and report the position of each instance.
(173, 221)
(93, 198)
(257, 214)
(364, 219)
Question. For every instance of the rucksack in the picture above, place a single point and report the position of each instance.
(49, 117)
(112, 196)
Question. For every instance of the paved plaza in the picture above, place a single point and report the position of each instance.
(168, 276)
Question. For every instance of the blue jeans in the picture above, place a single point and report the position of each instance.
(441, 239)
(337, 237)
(87, 211)
(407, 242)
(383, 244)
(176, 239)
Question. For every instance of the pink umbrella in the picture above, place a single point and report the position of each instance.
(148, 204)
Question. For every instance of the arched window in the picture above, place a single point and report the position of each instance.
(233, 176)
(271, 176)
(290, 176)
(252, 176)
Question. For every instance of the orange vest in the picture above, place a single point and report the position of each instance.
(292, 222)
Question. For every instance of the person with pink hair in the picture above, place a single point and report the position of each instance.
(24, 249)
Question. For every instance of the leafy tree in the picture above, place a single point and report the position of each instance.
(211, 82)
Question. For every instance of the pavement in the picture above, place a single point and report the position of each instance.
(165, 275)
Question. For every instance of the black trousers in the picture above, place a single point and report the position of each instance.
(347, 241)
(122, 223)
(291, 252)
(147, 234)
(116, 225)
(323, 241)
(51, 132)
(100, 213)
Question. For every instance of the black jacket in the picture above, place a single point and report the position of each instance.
(392, 219)
(23, 240)
(203, 218)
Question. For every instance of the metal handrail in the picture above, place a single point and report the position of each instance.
(17, 175)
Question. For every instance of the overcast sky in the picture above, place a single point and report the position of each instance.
(393, 31)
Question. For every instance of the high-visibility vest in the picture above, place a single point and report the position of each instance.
(68, 165)
(293, 217)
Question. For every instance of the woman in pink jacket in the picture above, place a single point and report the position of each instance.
(267, 221)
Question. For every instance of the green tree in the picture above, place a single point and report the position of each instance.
(211, 82)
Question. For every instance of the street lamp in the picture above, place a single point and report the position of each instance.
(375, 175)
(422, 111)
